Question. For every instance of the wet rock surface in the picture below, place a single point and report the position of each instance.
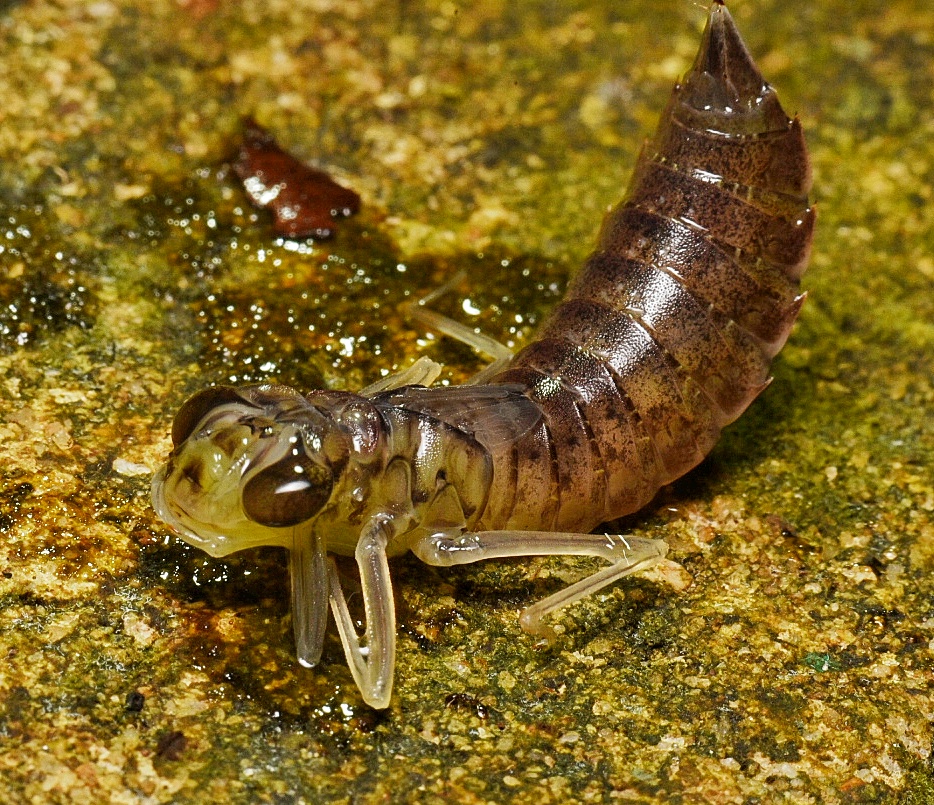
(796, 667)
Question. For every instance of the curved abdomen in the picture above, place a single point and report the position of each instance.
(667, 333)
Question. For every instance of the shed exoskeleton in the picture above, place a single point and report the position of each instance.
(664, 337)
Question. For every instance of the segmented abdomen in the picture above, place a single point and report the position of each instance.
(666, 334)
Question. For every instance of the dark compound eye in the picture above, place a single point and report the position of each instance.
(288, 493)
(199, 406)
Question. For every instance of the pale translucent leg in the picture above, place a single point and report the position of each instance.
(500, 353)
(308, 566)
(373, 658)
(626, 554)
(423, 372)
(481, 377)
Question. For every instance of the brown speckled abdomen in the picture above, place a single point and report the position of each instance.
(667, 333)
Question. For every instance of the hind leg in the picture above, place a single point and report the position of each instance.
(626, 555)
(432, 320)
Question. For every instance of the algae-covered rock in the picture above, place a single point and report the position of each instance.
(489, 138)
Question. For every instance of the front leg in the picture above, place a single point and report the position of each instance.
(309, 576)
(373, 658)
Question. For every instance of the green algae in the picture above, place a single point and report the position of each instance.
(45, 284)
(795, 668)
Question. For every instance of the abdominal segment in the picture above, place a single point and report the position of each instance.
(667, 333)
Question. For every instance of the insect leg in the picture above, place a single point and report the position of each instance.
(308, 570)
(500, 353)
(626, 554)
(530, 619)
(423, 372)
(373, 658)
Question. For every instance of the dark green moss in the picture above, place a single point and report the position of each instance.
(46, 283)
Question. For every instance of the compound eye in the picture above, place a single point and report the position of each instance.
(289, 492)
(198, 407)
